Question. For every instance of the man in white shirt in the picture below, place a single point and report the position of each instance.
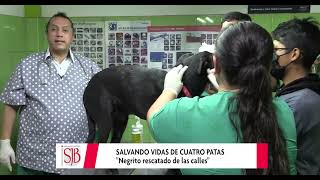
(46, 90)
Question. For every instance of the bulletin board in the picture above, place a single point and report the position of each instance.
(167, 43)
(126, 43)
(89, 41)
(115, 43)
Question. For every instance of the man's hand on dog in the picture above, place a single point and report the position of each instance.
(6, 153)
(173, 78)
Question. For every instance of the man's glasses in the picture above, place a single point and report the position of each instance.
(288, 50)
(276, 49)
(276, 56)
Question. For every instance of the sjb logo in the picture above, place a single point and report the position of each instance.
(71, 155)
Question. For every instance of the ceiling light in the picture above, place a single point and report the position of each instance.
(201, 20)
(209, 19)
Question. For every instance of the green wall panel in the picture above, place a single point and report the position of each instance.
(11, 32)
(13, 47)
(32, 11)
(32, 34)
(279, 18)
(11, 50)
(43, 43)
(265, 21)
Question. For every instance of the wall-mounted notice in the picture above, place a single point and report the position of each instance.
(126, 43)
(167, 43)
(265, 9)
(89, 41)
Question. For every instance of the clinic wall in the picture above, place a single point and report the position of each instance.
(146, 10)
(32, 11)
(182, 20)
(21, 36)
(268, 21)
(271, 21)
(139, 10)
(11, 50)
(12, 10)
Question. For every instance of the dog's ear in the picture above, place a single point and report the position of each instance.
(181, 59)
(205, 63)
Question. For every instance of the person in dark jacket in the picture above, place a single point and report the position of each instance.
(296, 46)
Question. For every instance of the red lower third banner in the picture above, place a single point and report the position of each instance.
(162, 155)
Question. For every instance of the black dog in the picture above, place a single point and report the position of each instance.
(115, 92)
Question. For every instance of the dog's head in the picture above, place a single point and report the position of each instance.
(195, 78)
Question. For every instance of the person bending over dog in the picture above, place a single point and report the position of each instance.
(228, 19)
(243, 111)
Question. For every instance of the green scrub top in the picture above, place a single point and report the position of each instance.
(205, 120)
(205, 93)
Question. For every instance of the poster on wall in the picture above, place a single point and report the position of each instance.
(166, 44)
(89, 41)
(126, 43)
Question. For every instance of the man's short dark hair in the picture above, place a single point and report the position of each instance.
(235, 15)
(303, 34)
(60, 14)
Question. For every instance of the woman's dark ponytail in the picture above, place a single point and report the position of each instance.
(258, 122)
(245, 52)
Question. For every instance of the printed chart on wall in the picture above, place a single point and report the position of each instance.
(89, 41)
(126, 43)
(166, 44)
